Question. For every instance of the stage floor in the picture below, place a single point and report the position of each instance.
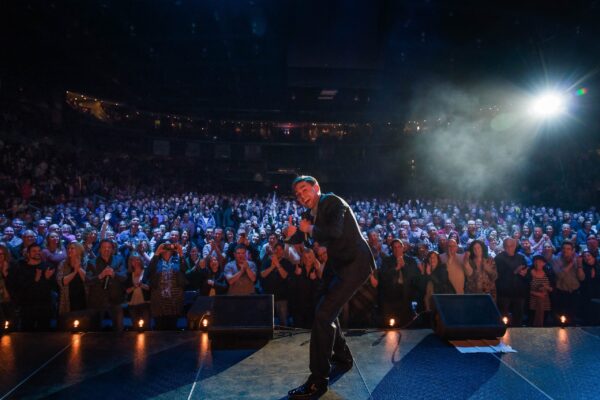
(550, 363)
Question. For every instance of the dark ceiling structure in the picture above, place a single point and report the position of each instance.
(299, 59)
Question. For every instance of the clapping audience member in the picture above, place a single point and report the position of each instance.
(106, 277)
(305, 286)
(539, 292)
(274, 280)
(20, 251)
(240, 273)
(54, 252)
(137, 290)
(455, 266)
(568, 281)
(590, 287)
(480, 270)
(212, 279)
(7, 307)
(436, 277)
(34, 282)
(399, 284)
(512, 285)
(70, 277)
(166, 274)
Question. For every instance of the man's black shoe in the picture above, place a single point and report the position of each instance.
(310, 390)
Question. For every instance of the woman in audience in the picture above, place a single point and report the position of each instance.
(590, 287)
(70, 277)
(54, 252)
(212, 278)
(436, 278)
(480, 270)
(138, 290)
(539, 292)
(7, 308)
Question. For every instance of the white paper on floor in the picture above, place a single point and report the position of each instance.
(482, 346)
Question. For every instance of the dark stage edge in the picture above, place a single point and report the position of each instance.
(551, 363)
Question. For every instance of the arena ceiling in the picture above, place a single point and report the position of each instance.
(307, 57)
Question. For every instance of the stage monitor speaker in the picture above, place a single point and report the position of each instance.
(242, 316)
(466, 316)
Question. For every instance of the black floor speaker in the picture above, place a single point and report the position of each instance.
(466, 316)
(242, 317)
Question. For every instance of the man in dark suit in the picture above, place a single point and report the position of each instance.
(333, 224)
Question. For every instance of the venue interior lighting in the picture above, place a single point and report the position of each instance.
(548, 105)
(563, 321)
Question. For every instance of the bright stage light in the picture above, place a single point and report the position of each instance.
(548, 105)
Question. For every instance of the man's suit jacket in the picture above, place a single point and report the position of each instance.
(335, 227)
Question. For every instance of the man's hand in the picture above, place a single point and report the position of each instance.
(108, 271)
(305, 226)
(275, 261)
(179, 249)
(291, 229)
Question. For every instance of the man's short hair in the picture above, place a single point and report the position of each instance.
(240, 246)
(567, 243)
(396, 240)
(31, 246)
(304, 178)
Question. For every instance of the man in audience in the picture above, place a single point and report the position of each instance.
(41, 231)
(133, 235)
(512, 286)
(399, 284)
(106, 276)
(569, 275)
(565, 235)
(19, 252)
(455, 265)
(526, 251)
(32, 283)
(376, 247)
(240, 273)
(274, 278)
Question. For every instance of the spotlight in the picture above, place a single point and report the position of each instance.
(505, 320)
(140, 325)
(204, 323)
(6, 325)
(75, 327)
(392, 322)
(548, 105)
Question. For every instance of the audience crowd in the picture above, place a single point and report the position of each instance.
(77, 240)
(144, 256)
